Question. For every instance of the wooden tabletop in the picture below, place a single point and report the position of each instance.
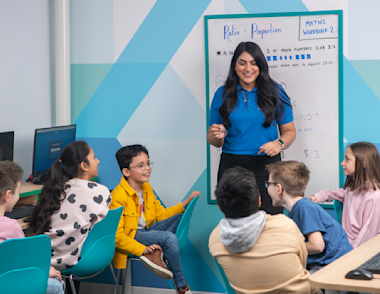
(23, 224)
(28, 195)
(28, 189)
(332, 276)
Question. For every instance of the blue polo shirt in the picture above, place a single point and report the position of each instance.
(246, 133)
(310, 218)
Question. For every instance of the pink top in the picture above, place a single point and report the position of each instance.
(9, 229)
(361, 212)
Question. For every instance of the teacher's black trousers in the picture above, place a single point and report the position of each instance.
(255, 164)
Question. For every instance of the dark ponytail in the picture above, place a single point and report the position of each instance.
(53, 192)
(268, 98)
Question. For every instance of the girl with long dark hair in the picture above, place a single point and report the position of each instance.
(70, 203)
(245, 116)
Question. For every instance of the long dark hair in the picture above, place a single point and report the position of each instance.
(367, 168)
(268, 97)
(53, 192)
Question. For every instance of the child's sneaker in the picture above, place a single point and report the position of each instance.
(154, 261)
(185, 291)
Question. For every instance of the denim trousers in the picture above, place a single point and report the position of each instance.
(55, 286)
(163, 234)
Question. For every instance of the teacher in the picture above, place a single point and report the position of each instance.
(245, 116)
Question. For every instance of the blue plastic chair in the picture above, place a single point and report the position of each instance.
(229, 289)
(183, 226)
(181, 233)
(338, 208)
(97, 251)
(25, 264)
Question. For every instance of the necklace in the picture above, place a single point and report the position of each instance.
(245, 98)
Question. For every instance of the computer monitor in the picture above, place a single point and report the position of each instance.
(6, 146)
(48, 144)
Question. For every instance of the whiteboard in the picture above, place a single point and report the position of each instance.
(304, 55)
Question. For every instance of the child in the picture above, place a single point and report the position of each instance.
(70, 204)
(10, 181)
(325, 238)
(271, 247)
(360, 194)
(138, 233)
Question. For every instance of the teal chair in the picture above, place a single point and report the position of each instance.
(229, 289)
(25, 264)
(338, 208)
(183, 226)
(97, 251)
(181, 233)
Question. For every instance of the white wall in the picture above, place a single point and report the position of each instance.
(25, 96)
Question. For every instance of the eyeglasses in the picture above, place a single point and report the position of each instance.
(266, 184)
(143, 166)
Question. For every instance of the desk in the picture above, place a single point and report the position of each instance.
(332, 275)
(28, 195)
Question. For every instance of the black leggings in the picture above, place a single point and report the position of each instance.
(255, 164)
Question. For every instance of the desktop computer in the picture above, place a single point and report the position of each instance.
(48, 144)
(6, 146)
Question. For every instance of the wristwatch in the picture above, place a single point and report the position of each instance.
(281, 143)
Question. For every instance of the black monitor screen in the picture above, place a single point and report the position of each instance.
(48, 144)
(6, 146)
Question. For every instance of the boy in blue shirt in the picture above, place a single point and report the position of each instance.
(325, 238)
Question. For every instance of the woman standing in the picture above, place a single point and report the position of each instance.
(245, 116)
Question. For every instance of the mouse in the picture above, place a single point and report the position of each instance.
(359, 274)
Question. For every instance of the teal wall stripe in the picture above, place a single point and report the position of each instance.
(138, 67)
(259, 6)
(117, 98)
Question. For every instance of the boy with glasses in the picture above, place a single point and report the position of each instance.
(146, 228)
(325, 239)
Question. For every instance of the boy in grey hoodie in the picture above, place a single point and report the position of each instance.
(260, 253)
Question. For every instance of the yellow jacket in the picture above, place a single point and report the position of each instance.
(124, 195)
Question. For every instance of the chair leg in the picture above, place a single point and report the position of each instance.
(115, 279)
(127, 280)
(175, 286)
(72, 285)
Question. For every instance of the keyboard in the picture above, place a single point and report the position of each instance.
(372, 265)
(20, 212)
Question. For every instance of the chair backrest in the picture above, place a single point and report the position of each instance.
(229, 289)
(338, 208)
(183, 226)
(24, 265)
(99, 247)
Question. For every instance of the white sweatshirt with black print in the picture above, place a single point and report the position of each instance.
(86, 204)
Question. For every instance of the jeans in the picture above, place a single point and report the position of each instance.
(55, 286)
(163, 234)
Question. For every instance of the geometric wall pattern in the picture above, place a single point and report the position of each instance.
(138, 76)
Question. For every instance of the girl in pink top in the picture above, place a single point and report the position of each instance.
(360, 194)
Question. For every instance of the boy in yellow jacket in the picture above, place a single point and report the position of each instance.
(146, 228)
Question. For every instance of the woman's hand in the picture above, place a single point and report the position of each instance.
(193, 194)
(218, 131)
(271, 148)
(53, 273)
(216, 134)
(151, 248)
(313, 198)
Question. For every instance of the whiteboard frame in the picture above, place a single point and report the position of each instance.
(339, 13)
